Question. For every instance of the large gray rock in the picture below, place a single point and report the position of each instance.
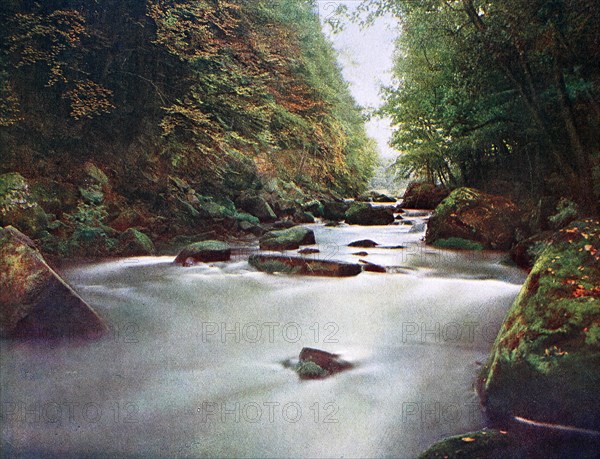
(35, 302)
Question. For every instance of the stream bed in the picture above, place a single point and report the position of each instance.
(193, 366)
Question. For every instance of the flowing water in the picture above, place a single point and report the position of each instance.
(194, 363)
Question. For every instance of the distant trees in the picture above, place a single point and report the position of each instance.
(507, 90)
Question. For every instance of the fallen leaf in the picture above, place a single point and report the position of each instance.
(468, 439)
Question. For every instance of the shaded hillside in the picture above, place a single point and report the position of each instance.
(164, 97)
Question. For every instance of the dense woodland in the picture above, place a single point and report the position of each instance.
(498, 94)
(223, 95)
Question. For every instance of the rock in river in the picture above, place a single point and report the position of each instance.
(422, 195)
(364, 214)
(472, 215)
(205, 251)
(545, 363)
(317, 364)
(303, 266)
(35, 302)
(364, 243)
(287, 239)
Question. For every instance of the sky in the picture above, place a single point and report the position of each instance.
(366, 58)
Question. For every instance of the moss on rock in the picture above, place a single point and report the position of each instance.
(287, 239)
(545, 363)
(480, 444)
(475, 216)
(205, 251)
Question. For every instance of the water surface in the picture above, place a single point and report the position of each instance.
(193, 367)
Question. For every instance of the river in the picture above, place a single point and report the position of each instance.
(194, 365)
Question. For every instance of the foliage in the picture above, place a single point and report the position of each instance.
(567, 211)
(199, 89)
(487, 90)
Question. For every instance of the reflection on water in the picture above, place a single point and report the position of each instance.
(193, 366)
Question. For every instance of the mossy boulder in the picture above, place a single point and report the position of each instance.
(545, 363)
(423, 195)
(335, 210)
(303, 266)
(315, 207)
(458, 243)
(204, 251)
(17, 206)
(476, 216)
(133, 242)
(287, 239)
(35, 302)
(256, 205)
(488, 443)
(364, 214)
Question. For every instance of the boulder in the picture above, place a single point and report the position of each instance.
(205, 251)
(472, 215)
(133, 242)
(364, 243)
(545, 363)
(317, 364)
(314, 207)
(374, 196)
(335, 210)
(35, 302)
(303, 266)
(484, 443)
(423, 195)
(17, 206)
(360, 254)
(287, 239)
(365, 214)
(304, 217)
(257, 206)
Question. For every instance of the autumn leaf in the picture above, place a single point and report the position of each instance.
(468, 439)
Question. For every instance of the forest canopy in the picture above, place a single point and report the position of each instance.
(490, 91)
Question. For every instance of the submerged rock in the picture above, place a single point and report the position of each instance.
(308, 251)
(317, 364)
(287, 239)
(372, 267)
(545, 363)
(303, 266)
(204, 251)
(472, 215)
(35, 302)
(364, 243)
(365, 214)
(422, 195)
